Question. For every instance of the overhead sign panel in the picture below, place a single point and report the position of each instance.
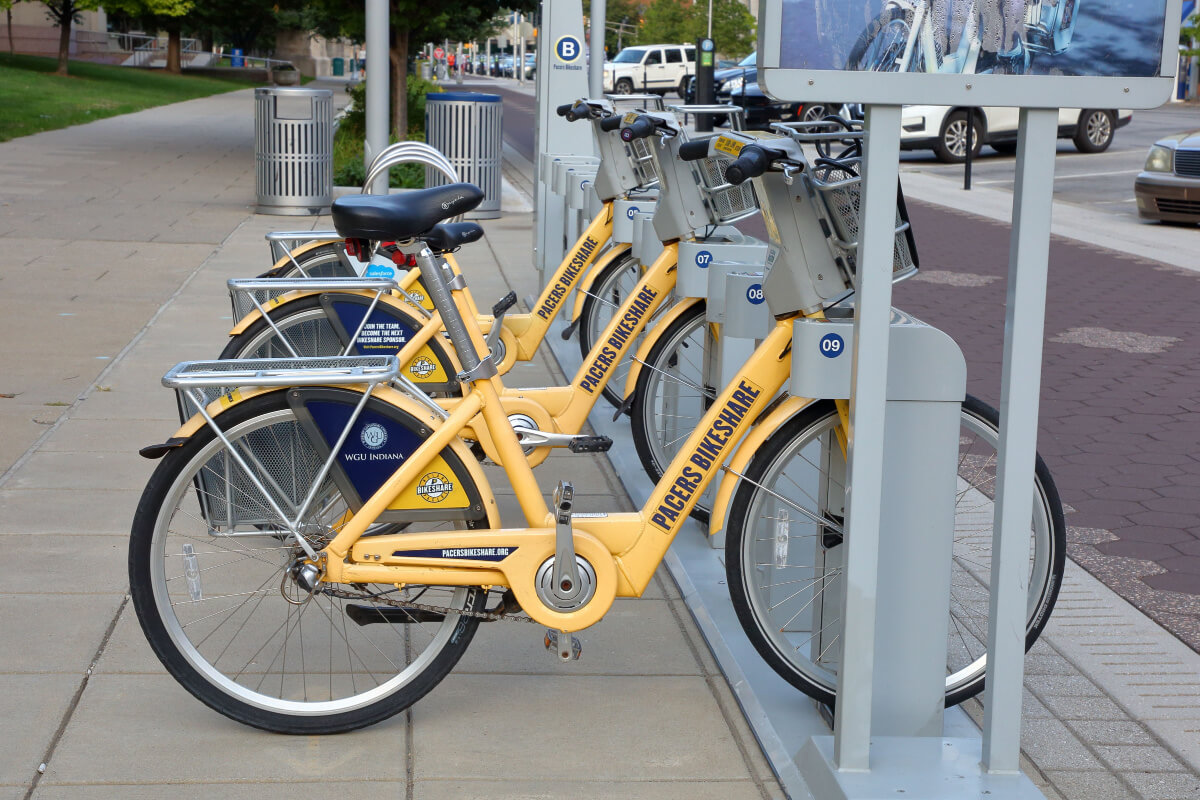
(1032, 53)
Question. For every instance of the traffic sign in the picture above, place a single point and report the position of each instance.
(439, 53)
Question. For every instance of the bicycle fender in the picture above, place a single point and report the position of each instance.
(466, 462)
(299, 251)
(651, 337)
(248, 320)
(750, 445)
(588, 279)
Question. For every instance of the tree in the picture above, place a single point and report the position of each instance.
(158, 15)
(419, 21)
(618, 12)
(7, 6)
(733, 26)
(63, 13)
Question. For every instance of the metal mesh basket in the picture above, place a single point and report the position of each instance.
(641, 156)
(839, 188)
(725, 202)
(242, 300)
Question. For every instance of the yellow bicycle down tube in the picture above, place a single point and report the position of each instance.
(531, 329)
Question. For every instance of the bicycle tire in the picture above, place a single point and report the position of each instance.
(217, 647)
(306, 324)
(603, 299)
(668, 398)
(816, 675)
(323, 261)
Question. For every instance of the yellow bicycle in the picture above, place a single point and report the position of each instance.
(316, 550)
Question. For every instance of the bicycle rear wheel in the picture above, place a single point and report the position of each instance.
(323, 261)
(209, 577)
(784, 569)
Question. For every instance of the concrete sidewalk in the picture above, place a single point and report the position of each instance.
(116, 240)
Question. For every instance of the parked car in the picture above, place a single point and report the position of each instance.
(738, 85)
(943, 129)
(1169, 187)
(656, 68)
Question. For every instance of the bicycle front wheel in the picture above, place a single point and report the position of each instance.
(209, 577)
(784, 568)
(674, 389)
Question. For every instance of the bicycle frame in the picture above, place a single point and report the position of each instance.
(624, 549)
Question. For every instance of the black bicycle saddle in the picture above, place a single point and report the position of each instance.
(449, 236)
(396, 217)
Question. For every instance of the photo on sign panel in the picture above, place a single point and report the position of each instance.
(1096, 38)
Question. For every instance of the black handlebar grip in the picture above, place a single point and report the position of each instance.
(610, 124)
(564, 109)
(694, 151)
(640, 128)
(752, 162)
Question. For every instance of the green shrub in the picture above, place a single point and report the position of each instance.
(348, 167)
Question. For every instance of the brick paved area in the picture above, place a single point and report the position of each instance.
(1120, 392)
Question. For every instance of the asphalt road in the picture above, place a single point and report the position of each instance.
(1102, 181)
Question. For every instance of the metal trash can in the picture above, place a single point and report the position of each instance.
(293, 150)
(426, 71)
(339, 66)
(465, 127)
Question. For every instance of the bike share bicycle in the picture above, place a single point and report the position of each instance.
(313, 496)
(281, 317)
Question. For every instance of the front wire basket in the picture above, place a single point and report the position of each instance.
(837, 183)
(724, 202)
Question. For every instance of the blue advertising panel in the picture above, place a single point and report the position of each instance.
(1033, 53)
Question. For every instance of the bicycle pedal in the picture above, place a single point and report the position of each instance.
(508, 301)
(590, 444)
(569, 331)
(564, 495)
(569, 650)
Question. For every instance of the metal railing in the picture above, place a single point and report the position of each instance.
(144, 48)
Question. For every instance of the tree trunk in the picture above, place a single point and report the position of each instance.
(174, 41)
(8, 12)
(64, 35)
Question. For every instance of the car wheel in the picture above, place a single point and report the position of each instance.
(683, 86)
(951, 144)
(815, 112)
(1094, 133)
(624, 86)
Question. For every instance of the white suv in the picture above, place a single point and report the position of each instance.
(657, 68)
(944, 129)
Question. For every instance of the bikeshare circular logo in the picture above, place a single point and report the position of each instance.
(374, 436)
(422, 367)
(567, 49)
(434, 487)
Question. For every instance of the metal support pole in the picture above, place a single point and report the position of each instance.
(377, 86)
(868, 396)
(596, 46)
(458, 64)
(1025, 317)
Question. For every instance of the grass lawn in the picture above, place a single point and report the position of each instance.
(34, 99)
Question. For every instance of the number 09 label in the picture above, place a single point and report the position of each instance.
(831, 345)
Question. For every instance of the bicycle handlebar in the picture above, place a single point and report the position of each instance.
(610, 124)
(564, 109)
(640, 128)
(752, 162)
(694, 151)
